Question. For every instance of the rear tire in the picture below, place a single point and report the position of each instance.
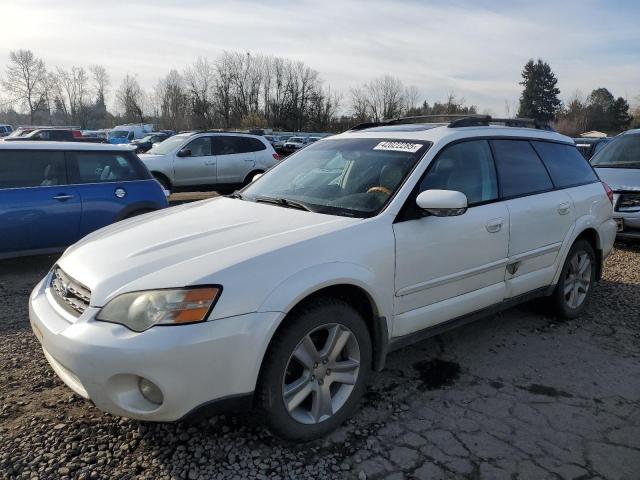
(164, 181)
(315, 371)
(576, 281)
(249, 178)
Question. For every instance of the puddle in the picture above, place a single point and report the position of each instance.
(436, 373)
(537, 389)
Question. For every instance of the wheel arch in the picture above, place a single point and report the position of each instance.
(355, 291)
(592, 236)
(156, 174)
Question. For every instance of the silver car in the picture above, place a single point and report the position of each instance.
(221, 161)
(618, 165)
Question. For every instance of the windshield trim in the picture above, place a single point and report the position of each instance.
(347, 212)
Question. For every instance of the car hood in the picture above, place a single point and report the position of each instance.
(620, 179)
(187, 245)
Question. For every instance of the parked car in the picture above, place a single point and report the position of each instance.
(588, 147)
(294, 143)
(279, 144)
(618, 164)
(53, 193)
(5, 130)
(145, 143)
(313, 139)
(272, 139)
(129, 132)
(287, 294)
(55, 135)
(209, 160)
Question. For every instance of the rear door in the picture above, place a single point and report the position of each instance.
(38, 210)
(540, 215)
(198, 165)
(108, 182)
(236, 157)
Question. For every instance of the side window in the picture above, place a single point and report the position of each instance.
(225, 145)
(253, 144)
(130, 136)
(31, 168)
(200, 147)
(565, 165)
(466, 167)
(98, 167)
(520, 170)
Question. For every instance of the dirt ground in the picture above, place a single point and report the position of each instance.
(519, 395)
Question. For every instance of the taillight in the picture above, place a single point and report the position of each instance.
(609, 192)
(276, 156)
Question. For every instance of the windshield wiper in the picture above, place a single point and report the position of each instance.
(283, 202)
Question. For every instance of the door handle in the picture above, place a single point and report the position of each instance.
(62, 197)
(248, 159)
(209, 162)
(564, 208)
(495, 225)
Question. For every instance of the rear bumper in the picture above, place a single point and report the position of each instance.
(194, 366)
(630, 225)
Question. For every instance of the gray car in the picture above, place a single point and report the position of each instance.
(618, 165)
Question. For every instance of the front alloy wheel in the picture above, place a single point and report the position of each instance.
(321, 373)
(315, 370)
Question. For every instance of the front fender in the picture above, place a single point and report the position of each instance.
(288, 293)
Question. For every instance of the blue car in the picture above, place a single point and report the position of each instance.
(54, 193)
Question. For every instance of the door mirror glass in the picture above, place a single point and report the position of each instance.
(442, 203)
(185, 152)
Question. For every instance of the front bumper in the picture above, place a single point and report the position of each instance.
(192, 365)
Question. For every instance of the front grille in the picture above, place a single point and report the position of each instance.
(70, 295)
(628, 202)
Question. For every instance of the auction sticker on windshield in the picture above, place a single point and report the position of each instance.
(398, 146)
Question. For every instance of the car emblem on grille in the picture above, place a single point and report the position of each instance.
(64, 288)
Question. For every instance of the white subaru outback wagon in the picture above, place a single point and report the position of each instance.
(286, 295)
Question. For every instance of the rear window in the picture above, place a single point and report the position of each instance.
(31, 168)
(565, 165)
(99, 167)
(519, 169)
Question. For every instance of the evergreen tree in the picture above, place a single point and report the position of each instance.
(539, 98)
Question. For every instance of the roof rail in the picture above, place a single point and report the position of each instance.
(49, 127)
(486, 120)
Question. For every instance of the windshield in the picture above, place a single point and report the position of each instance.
(622, 152)
(351, 177)
(167, 146)
(119, 134)
(296, 139)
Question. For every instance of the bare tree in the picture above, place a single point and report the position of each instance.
(383, 97)
(130, 97)
(200, 80)
(172, 101)
(25, 79)
(73, 94)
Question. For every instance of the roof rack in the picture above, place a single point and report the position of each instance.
(460, 121)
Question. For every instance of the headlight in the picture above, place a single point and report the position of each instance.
(139, 311)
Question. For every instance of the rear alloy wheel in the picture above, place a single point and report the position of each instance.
(576, 280)
(315, 371)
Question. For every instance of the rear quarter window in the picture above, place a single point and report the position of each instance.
(100, 167)
(31, 168)
(565, 164)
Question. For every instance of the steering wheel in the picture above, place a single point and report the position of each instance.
(380, 189)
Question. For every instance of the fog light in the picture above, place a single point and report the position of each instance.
(150, 391)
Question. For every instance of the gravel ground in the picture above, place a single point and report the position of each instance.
(517, 396)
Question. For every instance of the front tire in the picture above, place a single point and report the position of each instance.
(315, 371)
(576, 280)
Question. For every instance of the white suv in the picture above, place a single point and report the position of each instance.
(209, 160)
(286, 295)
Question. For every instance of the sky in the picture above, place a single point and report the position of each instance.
(474, 48)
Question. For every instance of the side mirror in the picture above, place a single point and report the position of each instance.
(442, 203)
(185, 152)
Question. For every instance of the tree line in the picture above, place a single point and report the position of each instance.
(244, 90)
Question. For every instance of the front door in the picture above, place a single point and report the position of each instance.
(447, 267)
(197, 165)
